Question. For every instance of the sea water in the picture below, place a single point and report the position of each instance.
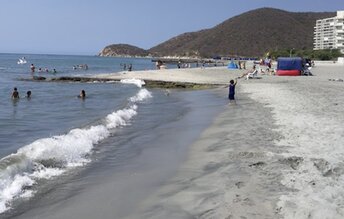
(55, 139)
(55, 101)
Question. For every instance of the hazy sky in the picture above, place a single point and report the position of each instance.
(86, 26)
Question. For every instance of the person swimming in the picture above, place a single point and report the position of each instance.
(82, 94)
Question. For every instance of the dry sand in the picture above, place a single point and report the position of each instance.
(277, 153)
(214, 75)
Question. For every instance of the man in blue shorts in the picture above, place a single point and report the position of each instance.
(231, 93)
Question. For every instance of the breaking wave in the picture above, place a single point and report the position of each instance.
(49, 157)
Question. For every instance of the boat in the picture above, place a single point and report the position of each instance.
(22, 61)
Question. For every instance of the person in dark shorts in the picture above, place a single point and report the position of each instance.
(231, 92)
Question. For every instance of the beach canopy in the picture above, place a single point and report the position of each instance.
(286, 63)
(232, 65)
(289, 66)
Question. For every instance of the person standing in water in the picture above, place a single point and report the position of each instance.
(28, 95)
(32, 67)
(15, 94)
(231, 90)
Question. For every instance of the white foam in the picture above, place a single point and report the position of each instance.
(140, 96)
(121, 117)
(47, 173)
(69, 149)
(12, 189)
(50, 157)
(314, 136)
(137, 82)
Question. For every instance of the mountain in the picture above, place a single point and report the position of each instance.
(250, 34)
(122, 50)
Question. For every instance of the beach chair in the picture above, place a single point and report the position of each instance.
(253, 74)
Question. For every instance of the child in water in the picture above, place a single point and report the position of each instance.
(231, 92)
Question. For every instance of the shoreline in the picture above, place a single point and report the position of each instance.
(208, 75)
(189, 78)
(147, 161)
(223, 176)
(277, 153)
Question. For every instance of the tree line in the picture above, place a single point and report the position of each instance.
(326, 54)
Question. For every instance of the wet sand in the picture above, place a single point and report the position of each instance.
(229, 172)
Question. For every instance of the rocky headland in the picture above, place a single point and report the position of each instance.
(123, 50)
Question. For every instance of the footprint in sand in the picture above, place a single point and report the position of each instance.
(239, 185)
(258, 164)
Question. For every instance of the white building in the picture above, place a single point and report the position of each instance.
(329, 33)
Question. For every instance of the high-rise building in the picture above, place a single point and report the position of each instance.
(329, 33)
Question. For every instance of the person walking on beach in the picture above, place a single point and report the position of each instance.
(231, 92)
(15, 94)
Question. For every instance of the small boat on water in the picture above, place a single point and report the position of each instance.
(22, 61)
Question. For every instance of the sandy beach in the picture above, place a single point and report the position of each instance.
(213, 75)
(277, 153)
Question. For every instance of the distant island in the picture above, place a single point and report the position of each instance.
(250, 34)
(123, 50)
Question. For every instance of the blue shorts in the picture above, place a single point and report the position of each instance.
(231, 96)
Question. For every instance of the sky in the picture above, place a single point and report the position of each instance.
(84, 27)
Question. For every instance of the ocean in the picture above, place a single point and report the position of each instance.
(55, 146)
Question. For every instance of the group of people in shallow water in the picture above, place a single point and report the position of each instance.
(40, 70)
(15, 94)
(75, 67)
(128, 67)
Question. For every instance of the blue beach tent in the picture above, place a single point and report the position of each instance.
(232, 65)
